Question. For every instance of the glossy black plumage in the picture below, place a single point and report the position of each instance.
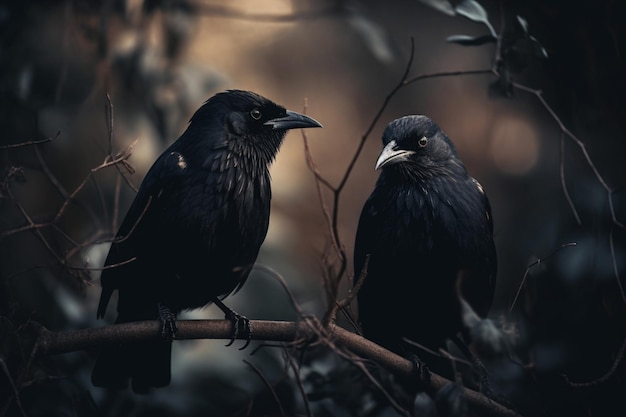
(195, 227)
(426, 223)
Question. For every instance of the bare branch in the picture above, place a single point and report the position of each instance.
(564, 183)
(539, 95)
(268, 385)
(15, 391)
(30, 142)
(343, 303)
(109, 161)
(50, 343)
(108, 115)
(615, 268)
(86, 268)
(444, 74)
(537, 262)
(278, 277)
(296, 373)
(32, 226)
(359, 364)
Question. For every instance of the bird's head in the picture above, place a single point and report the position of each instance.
(250, 118)
(250, 112)
(417, 144)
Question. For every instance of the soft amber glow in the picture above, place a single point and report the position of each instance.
(514, 146)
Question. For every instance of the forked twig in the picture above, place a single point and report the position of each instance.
(533, 264)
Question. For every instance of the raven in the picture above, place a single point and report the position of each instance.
(426, 235)
(194, 229)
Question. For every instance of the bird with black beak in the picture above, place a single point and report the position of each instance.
(193, 231)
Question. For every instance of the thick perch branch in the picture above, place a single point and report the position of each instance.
(51, 343)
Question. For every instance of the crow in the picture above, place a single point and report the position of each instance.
(193, 231)
(426, 236)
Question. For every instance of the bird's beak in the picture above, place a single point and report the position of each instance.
(293, 120)
(392, 155)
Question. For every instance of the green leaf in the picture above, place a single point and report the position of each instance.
(523, 23)
(472, 10)
(539, 50)
(443, 6)
(466, 40)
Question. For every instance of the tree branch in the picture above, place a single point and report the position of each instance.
(52, 343)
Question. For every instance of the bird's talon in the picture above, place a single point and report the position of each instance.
(168, 323)
(240, 323)
(234, 318)
(420, 369)
(247, 331)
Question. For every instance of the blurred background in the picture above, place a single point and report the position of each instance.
(159, 60)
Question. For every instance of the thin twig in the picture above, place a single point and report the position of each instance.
(330, 282)
(346, 301)
(34, 228)
(59, 187)
(108, 115)
(278, 277)
(319, 181)
(102, 268)
(607, 374)
(118, 159)
(564, 183)
(392, 401)
(116, 201)
(30, 142)
(537, 262)
(615, 269)
(583, 149)
(447, 74)
(15, 391)
(267, 384)
(296, 373)
(132, 229)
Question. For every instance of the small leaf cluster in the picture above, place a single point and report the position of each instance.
(516, 47)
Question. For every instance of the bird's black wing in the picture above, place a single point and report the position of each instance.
(365, 236)
(368, 232)
(479, 291)
(162, 180)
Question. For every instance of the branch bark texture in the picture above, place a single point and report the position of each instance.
(52, 343)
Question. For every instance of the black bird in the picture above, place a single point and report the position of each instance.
(193, 232)
(425, 228)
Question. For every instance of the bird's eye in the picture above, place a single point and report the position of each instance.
(255, 114)
(422, 142)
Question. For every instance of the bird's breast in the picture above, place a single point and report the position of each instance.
(423, 216)
(231, 201)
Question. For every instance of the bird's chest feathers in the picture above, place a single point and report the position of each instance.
(428, 214)
(231, 196)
